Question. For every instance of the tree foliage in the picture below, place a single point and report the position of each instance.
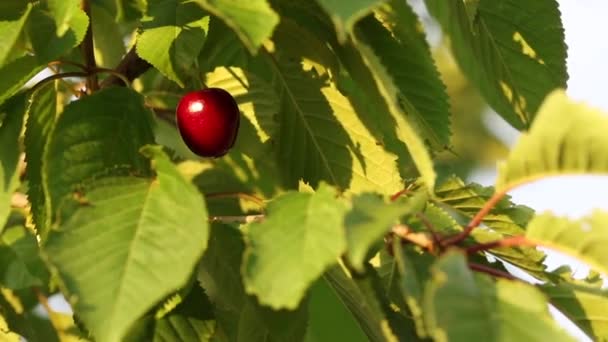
(340, 213)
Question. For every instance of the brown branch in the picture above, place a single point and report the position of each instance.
(491, 271)
(475, 221)
(507, 242)
(131, 67)
(88, 51)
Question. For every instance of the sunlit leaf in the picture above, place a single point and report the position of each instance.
(513, 50)
(298, 227)
(462, 306)
(574, 146)
(252, 20)
(137, 232)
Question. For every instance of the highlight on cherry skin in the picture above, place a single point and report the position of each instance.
(208, 121)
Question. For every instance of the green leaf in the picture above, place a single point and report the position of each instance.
(252, 20)
(22, 265)
(222, 48)
(370, 219)
(107, 38)
(576, 146)
(396, 37)
(16, 74)
(11, 31)
(461, 306)
(41, 118)
(136, 232)
(24, 243)
(239, 317)
(364, 297)
(63, 11)
(329, 318)
(191, 320)
(505, 217)
(344, 14)
(583, 304)
(372, 76)
(583, 239)
(298, 226)
(513, 60)
(412, 274)
(81, 148)
(42, 31)
(11, 125)
(322, 138)
(173, 35)
(13, 272)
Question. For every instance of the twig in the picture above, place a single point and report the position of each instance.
(131, 66)
(63, 62)
(507, 242)
(237, 219)
(491, 271)
(475, 221)
(398, 194)
(88, 51)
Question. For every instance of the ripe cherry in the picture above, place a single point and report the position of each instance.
(208, 121)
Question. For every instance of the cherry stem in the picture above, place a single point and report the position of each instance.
(491, 271)
(507, 242)
(237, 219)
(475, 221)
(240, 195)
(88, 51)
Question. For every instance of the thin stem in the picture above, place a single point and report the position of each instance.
(507, 242)
(88, 51)
(491, 271)
(398, 194)
(58, 76)
(475, 221)
(63, 62)
(237, 219)
(114, 73)
(131, 66)
(240, 195)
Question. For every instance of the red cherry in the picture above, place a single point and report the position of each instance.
(208, 121)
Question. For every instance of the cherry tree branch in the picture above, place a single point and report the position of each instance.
(88, 51)
(131, 66)
(475, 221)
(507, 242)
